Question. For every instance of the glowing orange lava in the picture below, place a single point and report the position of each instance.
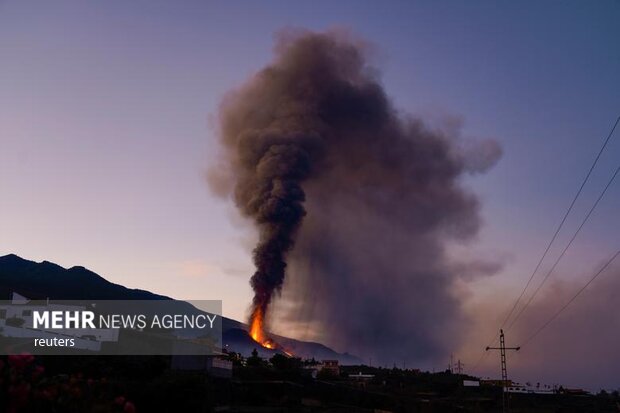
(257, 333)
(256, 327)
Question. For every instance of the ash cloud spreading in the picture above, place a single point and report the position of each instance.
(353, 202)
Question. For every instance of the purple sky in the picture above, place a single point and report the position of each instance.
(106, 128)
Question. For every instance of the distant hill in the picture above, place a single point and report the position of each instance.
(41, 280)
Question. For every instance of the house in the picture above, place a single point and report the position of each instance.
(573, 392)
(330, 367)
(215, 366)
(496, 383)
(16, 321)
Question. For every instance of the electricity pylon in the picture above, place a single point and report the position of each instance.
(502, 350)
(459, 367)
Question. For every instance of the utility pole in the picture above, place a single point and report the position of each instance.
(502, 349)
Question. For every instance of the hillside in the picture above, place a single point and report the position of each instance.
(41, 280)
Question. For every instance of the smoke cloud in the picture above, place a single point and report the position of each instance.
(353, 202)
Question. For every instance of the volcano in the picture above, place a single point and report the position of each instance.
(41, 280)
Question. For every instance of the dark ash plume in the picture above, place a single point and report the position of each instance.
(313, 137)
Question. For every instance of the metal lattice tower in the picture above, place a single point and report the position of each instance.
(502, 351)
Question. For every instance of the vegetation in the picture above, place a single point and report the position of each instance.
(281, 383)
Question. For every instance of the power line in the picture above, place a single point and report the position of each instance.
(484, 353)
(477, 363)
(611, 180)
(530, 338)
(555, 234)
(557, 231)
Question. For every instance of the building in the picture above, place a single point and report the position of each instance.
(330, 367)
(496, 383)
(16, 320)
(215, 366)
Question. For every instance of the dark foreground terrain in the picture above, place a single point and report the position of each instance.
(149, 384)
(266, 381)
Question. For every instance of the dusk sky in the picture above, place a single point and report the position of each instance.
(108, 128)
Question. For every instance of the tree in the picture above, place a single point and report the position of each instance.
(254, 359)
(235, 358)
(281, 362)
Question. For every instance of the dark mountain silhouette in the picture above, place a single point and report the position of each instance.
(48, 280)
(42, 280)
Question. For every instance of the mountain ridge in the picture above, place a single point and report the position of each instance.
(45, 279)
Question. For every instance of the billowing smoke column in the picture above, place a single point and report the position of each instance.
(357, 199)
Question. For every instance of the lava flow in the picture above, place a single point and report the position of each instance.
(257, 333)
(256, 329)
